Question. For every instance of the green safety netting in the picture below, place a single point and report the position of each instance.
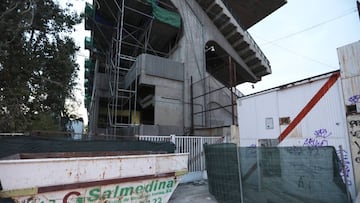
(87, 92)
(87, 73)
(89, 14)
(87, 103)
(164, 15)
(89, 63)
(89, 43)
(86, 86)
(87, 98)
(89, 68)
(61, 143)
(274, 174)
(89, 10)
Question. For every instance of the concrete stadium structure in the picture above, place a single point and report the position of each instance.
(160, 67)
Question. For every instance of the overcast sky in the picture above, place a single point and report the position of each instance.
(300, 39)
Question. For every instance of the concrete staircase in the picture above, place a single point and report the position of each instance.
(229, 25)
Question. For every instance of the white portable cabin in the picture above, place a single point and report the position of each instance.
(322, 110)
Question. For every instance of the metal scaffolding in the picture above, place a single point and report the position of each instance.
(220, 100)
(122, 102)
(130, 39)
(121, 31)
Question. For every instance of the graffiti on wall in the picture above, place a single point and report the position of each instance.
(357, 158)
(353, 123)
(319, 139)
(354, 131)
(354, 128)
(347, 165)
(354, 99)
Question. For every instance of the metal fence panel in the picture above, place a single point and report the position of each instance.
(188, 144)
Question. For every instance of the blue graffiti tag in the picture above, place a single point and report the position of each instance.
(313, 142)
(354, 99)
(346, 164)
(322, 133)
(319, 140)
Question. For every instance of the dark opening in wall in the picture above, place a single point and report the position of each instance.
(146, 95)
(350, 109)
(102, 113)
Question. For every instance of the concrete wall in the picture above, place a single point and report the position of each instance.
(159, 67)
(168, 103)
(159, 130)
(198, 29)
(167, 77)
(94, 105)
(102, 85)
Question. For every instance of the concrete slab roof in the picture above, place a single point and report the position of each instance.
(251, 12)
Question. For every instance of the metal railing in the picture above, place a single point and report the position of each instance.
(188, 144)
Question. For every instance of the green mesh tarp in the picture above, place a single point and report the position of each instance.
(89, 43)
(33, 144)
(89, 10)
(89, 64)
(274, 174)
(164, 15)
(86, 82)
(89, 69)
(87, 74)
(223, 172)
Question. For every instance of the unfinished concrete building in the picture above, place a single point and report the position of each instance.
(160, 67)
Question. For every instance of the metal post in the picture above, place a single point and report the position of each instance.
(173, 138)
(135, 99)
(117, 64)
(240, 176)
(202, 154)
(234, 92)
(231, 90)
(258, 165)
(192, 105)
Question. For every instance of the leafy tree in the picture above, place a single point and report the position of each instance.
(37, 62)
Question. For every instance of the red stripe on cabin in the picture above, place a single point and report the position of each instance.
(316, 98)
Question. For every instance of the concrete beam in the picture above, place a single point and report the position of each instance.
(250, 58)
(217, 17)
(210, 6)
(231, 33)
(224, 25)
(237, 43)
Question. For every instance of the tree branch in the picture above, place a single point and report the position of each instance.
(9, 10)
